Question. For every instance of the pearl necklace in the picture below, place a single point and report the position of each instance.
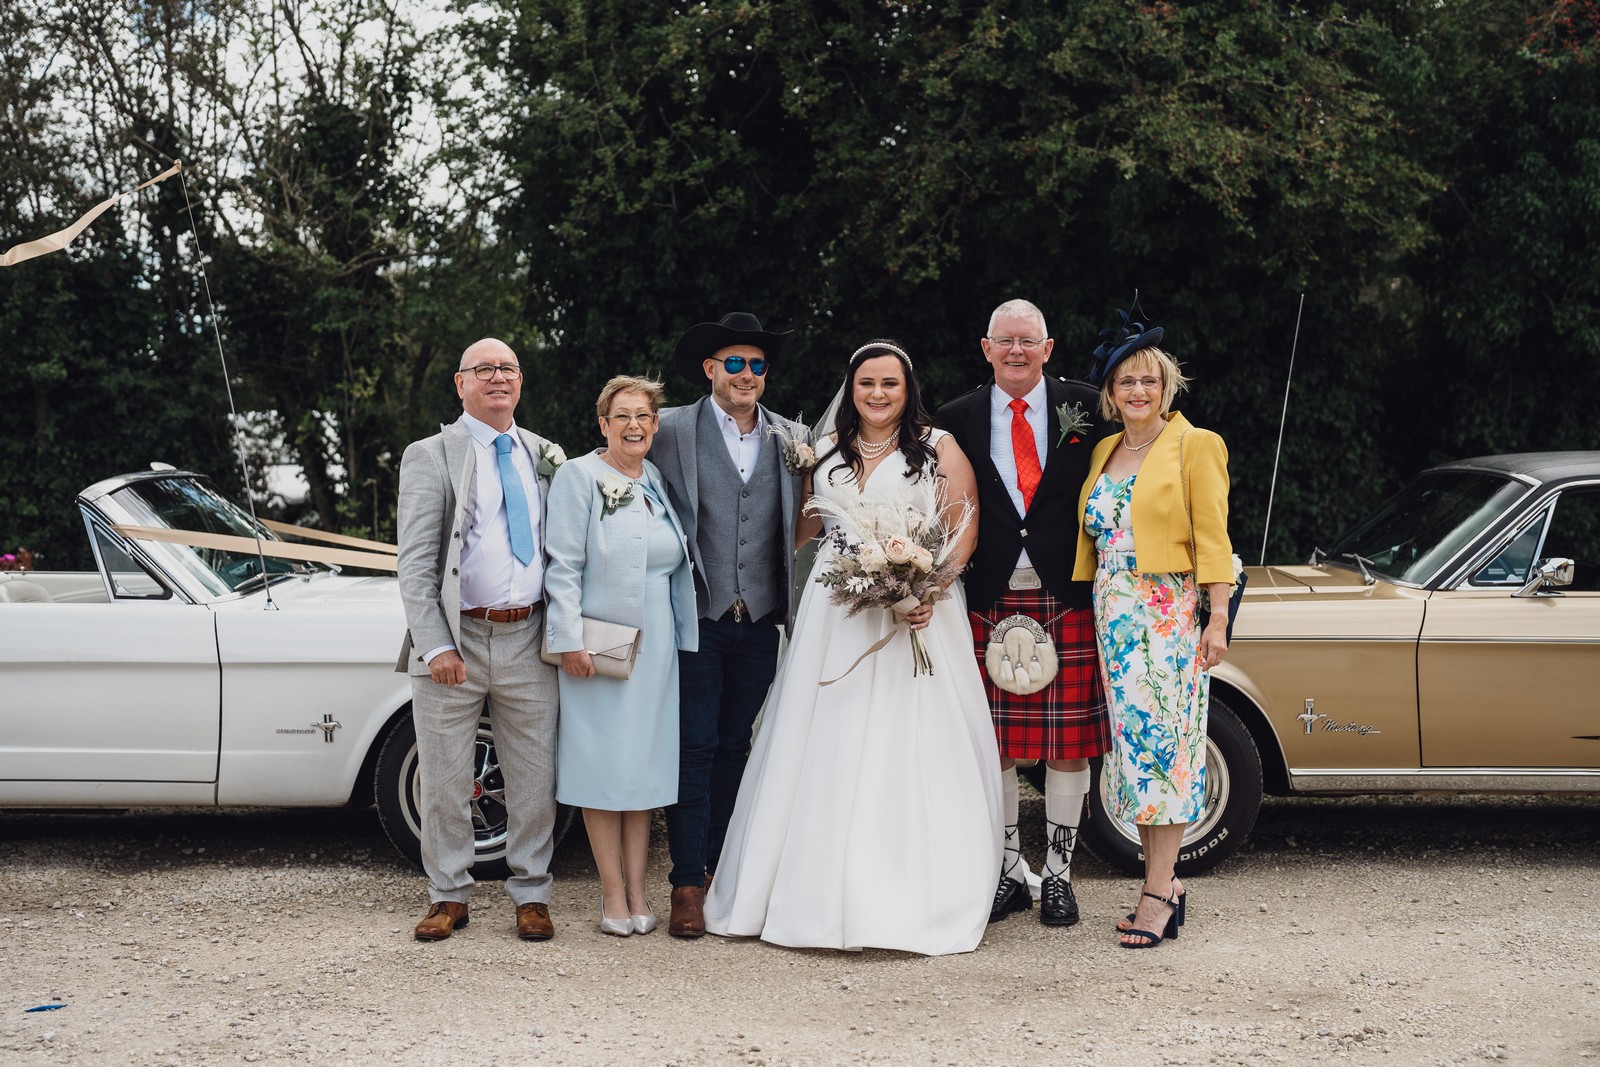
(874, 449)
(1139, 448)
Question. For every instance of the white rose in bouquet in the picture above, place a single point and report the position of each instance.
(898, 550)
(872, 559)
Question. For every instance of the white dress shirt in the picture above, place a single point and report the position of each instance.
(491, 577)
(1000, 448)
(743, 448)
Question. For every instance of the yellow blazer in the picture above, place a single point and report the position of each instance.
(1160, 524)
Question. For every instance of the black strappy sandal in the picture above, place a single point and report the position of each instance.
(1183, 902)
(1170, 933)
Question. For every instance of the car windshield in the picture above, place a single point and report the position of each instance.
(192, 504)
(1421, 528)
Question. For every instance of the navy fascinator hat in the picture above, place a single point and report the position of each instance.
(1117, 343)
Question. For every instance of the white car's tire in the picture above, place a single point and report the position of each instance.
(399, 799)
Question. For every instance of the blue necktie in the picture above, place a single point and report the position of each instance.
(516, 502)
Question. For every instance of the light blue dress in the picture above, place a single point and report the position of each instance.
(617, 747)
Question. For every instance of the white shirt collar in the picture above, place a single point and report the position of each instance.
(730, 424)
(1000, 400)
(485, 434)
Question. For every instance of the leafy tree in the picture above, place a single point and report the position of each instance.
(102, 365)
(855, 169)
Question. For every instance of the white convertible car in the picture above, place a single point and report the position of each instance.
(179, 675)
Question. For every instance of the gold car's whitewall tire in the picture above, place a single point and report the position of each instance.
(1233, 799)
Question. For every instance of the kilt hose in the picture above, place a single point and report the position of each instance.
(1067, 719)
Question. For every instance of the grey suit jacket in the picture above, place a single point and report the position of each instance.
(438, 487)
(674, 452)
(597, 561)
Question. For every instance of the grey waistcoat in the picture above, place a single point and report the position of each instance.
(741, 525)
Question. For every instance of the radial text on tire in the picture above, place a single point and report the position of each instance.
(1233, 798)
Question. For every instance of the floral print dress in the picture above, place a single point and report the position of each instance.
(1148, 630)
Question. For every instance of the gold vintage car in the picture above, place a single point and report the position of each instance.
(1449, 642)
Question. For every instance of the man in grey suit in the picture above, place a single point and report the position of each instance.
(471, 569)
(737, 493)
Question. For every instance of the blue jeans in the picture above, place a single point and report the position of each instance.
(720, 691)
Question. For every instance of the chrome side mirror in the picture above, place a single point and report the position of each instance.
(1548, 577)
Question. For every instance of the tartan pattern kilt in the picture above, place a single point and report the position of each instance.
(1067, 719)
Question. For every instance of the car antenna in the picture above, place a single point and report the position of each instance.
(233, 411)
(1272, 487)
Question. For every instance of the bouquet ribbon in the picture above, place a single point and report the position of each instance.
(901, 609)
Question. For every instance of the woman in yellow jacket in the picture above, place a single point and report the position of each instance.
(1161, 485)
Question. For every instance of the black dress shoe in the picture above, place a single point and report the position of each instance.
(1057, 905)
(1011, 896)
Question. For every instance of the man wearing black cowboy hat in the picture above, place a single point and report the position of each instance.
(738, 498)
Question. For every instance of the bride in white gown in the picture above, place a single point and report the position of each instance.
(869, 814)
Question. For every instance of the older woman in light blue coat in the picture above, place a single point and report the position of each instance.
(618, 554)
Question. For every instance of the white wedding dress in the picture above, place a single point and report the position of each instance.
(869, 814)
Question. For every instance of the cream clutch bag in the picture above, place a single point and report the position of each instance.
(612, 646)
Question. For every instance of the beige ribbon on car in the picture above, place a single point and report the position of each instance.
(373, 555)
(62, 238)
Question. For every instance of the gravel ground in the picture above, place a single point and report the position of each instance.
(1396, 931)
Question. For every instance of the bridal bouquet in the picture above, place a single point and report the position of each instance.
(889, 555)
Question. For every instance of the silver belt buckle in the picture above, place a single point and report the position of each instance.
(1024, 578)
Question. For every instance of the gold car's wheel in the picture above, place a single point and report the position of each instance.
(1233, 798)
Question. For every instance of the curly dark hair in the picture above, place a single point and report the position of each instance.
(915, 422)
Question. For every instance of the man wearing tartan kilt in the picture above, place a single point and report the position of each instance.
(1029, 437)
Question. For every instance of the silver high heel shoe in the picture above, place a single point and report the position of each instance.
(615, 927)
(643, 924)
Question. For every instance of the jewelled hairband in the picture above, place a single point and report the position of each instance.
(896, 349)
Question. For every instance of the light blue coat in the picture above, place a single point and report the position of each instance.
(597, 564)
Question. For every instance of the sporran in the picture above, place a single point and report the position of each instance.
(1020, 656)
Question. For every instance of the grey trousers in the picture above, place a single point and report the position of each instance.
(503, 666)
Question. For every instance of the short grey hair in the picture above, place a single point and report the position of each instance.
(648, 388)
(1019, 307)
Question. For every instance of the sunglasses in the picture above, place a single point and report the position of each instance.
(736, 365)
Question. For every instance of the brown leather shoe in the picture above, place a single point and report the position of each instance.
(688, 911)
(442, 920)
(533, 922)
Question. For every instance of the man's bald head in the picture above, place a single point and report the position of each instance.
(488, 350)
(490, 382)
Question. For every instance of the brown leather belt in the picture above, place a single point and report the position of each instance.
(501, 614)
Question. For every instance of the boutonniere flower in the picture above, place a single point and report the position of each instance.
(799, 455)
(1074, 421)
(615, 491)
(550, 457)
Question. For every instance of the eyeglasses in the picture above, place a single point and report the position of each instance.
(486, 371)
(736, 365)
(1027, 344)
(644, 419)
(1151, 385)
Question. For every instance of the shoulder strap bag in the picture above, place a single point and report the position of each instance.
(1205, 595)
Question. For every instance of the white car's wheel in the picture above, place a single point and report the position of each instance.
(1233, 798)
(397, 785)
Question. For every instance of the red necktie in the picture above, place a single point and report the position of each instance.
(1028, 469)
